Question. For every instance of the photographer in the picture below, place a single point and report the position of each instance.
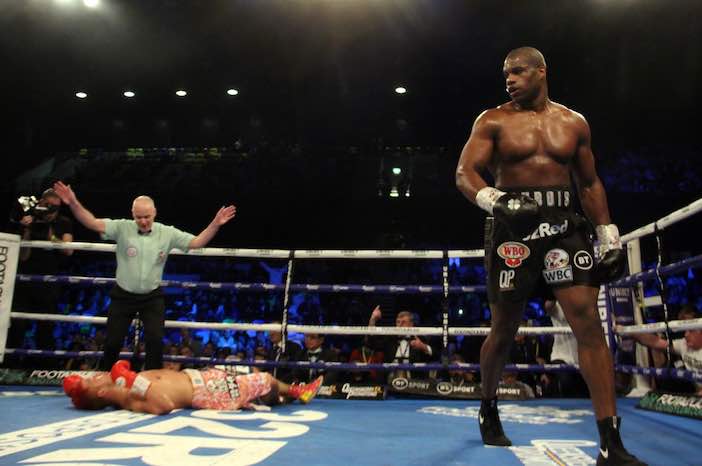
(40, 222)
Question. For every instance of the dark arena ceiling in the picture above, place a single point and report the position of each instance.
(325, 70)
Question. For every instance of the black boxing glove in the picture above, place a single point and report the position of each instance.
(520, 213)
(612, 258)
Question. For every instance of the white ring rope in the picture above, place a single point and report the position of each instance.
(673, 217)
(675, 325)
(320, 329)
(274, 253)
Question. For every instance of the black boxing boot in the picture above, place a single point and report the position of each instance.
(612, 451)
(490, 425)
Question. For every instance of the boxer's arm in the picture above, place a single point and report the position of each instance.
(126, 399)
(590, 189)
(115, 395)
(476, 156)
(651, 340)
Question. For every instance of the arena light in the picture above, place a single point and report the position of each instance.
(394, 192)
(181, 93)
(81, 95)
(91, 3)
(232, 92)
(400, 90)
(396, 170)
(128, 94)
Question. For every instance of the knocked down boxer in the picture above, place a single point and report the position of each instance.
(160, 391)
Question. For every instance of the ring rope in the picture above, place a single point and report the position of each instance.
(272, 253)
(675, 326)
(673, 217)
(420, 367)
(319, 288)
(321, 329)
(670, 269)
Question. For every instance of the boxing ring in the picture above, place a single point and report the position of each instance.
(391, 432)
(40, 426)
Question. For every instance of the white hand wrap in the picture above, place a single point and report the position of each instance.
(608, 238)
(486, 198)
(140, 386)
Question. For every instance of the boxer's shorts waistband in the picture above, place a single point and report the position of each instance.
(558, 197)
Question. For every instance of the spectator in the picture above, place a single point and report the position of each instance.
(689, 347)
(460, 377)
(527, 350)
(275, 353)
(402, 349)
(173, 350)
(314, 352)
(366, 355)
(564, 351)
(186, 339)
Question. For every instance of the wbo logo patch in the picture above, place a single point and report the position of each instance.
(513, 253)
(131, 251)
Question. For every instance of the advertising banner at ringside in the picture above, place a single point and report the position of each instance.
(438, 389)
(347, 391)
(37, 377)
(9, 254)
(671, 403)
(622, 307)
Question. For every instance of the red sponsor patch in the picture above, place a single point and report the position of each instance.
(513, 253)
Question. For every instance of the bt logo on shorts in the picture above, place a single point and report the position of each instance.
(583, 260)
(546, 229)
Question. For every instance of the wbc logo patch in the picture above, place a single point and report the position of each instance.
(513, 253)
(556, 268)
(556, 259)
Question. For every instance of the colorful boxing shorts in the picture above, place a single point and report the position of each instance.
(221, 390)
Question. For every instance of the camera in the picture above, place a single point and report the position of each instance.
(29, 205)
